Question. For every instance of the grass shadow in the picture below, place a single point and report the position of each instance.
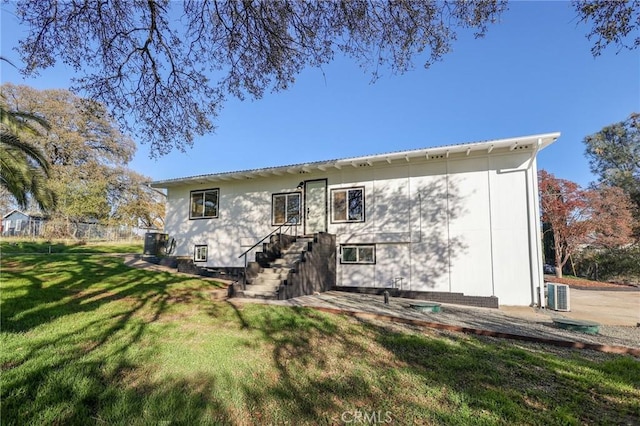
(88, 340)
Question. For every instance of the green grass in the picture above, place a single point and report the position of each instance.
(86, 340)
(21, 246)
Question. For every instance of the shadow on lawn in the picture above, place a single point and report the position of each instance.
(330, 369)
(88, 283)
(322, 369)
(306, 345)
(90, 369)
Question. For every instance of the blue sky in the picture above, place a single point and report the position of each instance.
(532, 73)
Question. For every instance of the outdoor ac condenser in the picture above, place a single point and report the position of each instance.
(558, 297)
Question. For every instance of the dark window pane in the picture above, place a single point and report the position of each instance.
(355, 204)
(197, 207)
(339, 205)
(349, 254)
(279, 204)
(293, 208)
(211, 204)
(366, 255)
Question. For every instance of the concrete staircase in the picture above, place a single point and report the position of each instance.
(271, 273)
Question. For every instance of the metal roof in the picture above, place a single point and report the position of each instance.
(538, 142)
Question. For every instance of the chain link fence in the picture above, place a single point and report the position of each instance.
(54, 229)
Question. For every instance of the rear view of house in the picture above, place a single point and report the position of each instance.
(449, 222)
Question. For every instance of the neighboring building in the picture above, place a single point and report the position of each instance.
(452, 219)
(17, 223)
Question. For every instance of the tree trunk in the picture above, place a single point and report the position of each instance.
(558, 254)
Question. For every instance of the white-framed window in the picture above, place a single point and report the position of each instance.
(347, 205)
(358, 253)
(204, 204)
(200, 253)
(19, 225)
(285, 208)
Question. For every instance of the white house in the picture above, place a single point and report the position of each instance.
(459, 219)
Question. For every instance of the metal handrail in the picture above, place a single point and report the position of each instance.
(289, 223)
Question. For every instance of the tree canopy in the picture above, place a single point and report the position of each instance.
(87, 156)
(612, 22)
(167, 67)
(614, 156)
(24, 169)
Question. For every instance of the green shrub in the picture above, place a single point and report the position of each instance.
(617, 264)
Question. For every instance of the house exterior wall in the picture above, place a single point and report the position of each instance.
(17, 223)
(463, 224)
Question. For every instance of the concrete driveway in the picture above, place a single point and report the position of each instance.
(619, 307)
(605, 307)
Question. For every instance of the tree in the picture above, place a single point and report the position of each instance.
(600, 216)
(24, 169)
(134, 202)
(614, 156)
(563, 206)
(166, 70)
(612, 21)
(610, 216)
(87, 154)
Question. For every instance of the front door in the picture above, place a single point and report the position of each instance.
(315, 203)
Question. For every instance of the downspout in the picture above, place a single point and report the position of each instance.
(448, 226)
(410, 226)
(493, 276)
(533, 218)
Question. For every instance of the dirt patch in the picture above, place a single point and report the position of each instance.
(585, 283)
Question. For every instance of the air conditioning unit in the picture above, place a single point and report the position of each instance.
(558, 297)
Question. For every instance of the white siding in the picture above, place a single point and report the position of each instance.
(512, 272)
(469, 228)
(392, 263)
(244, 218)
(430, 228)
(459, 225)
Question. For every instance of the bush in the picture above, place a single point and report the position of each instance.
(618, 264)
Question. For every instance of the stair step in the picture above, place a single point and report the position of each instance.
(260, 294)
(276, 270)
(265, 281)
(261, 287)
(284, 262)
(297, 246)
(274, 274)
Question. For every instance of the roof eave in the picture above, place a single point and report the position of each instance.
(541, 140)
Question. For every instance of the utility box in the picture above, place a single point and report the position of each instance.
(155, 243)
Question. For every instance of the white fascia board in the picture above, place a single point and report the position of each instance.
(541, 140)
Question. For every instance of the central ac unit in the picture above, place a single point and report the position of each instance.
(558, 297)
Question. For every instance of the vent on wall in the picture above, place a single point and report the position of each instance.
(558, 297)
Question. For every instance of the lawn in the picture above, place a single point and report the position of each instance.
(86, 340)
(23, 245)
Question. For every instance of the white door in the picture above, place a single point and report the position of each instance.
(315, 197)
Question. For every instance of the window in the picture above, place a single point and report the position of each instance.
(200, 254)
(347, 205)
(365, 254)
(204, 204)
(285, 208)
